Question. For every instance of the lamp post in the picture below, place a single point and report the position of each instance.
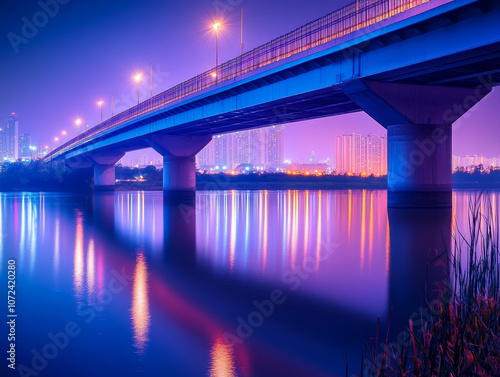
(100, 105)
(138, 78)
(78, 121)
(216, 28)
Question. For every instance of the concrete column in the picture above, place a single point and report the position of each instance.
(420, 244)
(104, 169)
(179, 229)
(179, 173)
(179, 169)
(419, 165)
(419, 122)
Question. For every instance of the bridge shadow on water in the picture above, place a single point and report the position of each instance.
(305, 335)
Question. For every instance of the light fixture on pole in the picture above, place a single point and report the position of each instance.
(138, 78)
(78, 121)
(100, 105)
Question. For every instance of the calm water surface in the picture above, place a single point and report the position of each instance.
(151, 286)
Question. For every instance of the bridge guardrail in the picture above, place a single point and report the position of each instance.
(334, 25)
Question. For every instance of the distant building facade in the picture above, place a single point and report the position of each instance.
(9, 139)
(361, 155)
(468, 162)
(24, 146)
(261, 148)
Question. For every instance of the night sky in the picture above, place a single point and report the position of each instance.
(90, 49)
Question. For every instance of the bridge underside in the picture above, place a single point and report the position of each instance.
(416, 79)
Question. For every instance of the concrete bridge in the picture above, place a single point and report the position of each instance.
(415, 66)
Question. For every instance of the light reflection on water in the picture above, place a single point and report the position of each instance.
(190, 268)
(140, 304)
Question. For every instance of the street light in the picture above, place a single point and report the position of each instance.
(78, 121)
(100, 105)
(216, 28)
(65, 133)
(138, 78)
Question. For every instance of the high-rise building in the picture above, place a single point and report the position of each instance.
(262, 148)
(276, 147)
(9, 139)
(24, 146)
(361, 155)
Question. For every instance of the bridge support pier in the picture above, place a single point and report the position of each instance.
(179, 169)
(104, 169)
(419, 122)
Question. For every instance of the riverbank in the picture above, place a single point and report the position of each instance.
(54, 177)
(267, 182)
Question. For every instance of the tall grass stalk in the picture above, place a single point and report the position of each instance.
(462, 336)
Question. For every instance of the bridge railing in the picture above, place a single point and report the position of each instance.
(334, 25)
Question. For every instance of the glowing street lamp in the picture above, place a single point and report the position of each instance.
(138, 78)
(78, 121)
(66, 133)
(100, 105)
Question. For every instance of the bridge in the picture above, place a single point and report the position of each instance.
(415, 66)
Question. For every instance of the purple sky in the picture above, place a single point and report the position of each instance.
(90, 49)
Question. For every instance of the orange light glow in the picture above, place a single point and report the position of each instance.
(222, 363)
(138, 77)
(140, 304)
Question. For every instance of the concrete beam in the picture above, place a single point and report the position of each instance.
(104, 168)
(395, 104)
(179, 167)
(178, 146)
(418, 121)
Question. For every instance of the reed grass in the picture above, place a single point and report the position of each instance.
(462, 335)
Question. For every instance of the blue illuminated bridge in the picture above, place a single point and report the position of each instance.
(415, 66)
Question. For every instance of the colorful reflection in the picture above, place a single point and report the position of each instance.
(272, 233)
(222, 360)
(78, 260)
(140, 304)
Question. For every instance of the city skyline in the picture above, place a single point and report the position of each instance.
(76, 98)
(16, 145)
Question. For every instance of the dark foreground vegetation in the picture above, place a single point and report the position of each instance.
(39, 176)
(459, 334)
(477, 179)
